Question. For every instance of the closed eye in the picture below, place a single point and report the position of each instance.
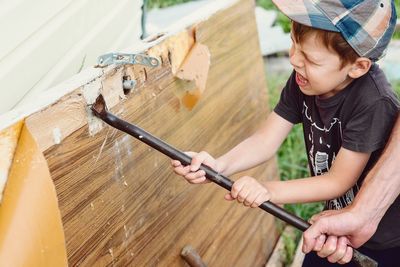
(312, 61)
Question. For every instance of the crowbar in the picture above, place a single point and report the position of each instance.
(99, 108)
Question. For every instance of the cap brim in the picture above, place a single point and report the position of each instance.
(305, 12)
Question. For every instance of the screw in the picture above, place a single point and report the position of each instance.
(127, 83)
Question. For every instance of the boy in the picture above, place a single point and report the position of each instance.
(347, 109)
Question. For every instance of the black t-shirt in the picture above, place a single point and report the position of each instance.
(358, 118)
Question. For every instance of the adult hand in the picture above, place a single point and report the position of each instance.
(345, 229)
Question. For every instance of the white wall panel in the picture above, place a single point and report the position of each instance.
(46, 42)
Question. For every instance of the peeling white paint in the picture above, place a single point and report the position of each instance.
(57, 136)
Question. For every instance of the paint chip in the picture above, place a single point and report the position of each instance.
(111, 253)
(57, 135)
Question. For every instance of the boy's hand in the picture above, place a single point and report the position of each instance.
(191, 172)
(248, 191)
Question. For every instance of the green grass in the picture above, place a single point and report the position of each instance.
(397, 4)
(163, 3)
(396, 87)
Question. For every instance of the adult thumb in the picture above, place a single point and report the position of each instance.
(310, 236)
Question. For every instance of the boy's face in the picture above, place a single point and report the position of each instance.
(318, 70)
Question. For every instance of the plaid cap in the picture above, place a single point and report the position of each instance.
(367, 25)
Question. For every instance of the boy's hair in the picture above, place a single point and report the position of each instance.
(332, 40)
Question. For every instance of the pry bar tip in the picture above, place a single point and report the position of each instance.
(99, 107)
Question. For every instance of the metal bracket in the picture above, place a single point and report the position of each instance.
(121, 58)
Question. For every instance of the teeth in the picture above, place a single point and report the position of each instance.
(301, 78)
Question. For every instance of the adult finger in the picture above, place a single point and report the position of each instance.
(340, 251)
(319, 242)
(319, 215)
(347, 256)
(329, 247)
(310, 236)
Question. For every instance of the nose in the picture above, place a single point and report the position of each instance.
(296, 58)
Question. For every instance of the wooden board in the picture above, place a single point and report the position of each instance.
(120, 202)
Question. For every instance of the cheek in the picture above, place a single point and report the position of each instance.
(291, 51)
(317, 74)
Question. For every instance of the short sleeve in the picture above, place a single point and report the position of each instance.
(289, 105)
(370, 127)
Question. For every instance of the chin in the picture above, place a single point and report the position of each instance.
(307, 91)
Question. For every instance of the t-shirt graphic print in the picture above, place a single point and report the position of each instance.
(323, 142)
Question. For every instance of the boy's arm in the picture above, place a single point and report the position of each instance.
(258, 148)
(254, 150)
(344, 173)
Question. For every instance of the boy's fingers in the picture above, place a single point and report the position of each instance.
(255, 204)
(249, 200)
(175, 163)
(235, 190)
(242, 196)
(195, 180)
(195, 175)
(199, 180)
(181, 170)
(197, 160)
(261, 198)
(228, 197)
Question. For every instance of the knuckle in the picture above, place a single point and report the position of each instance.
(307, 235)
(331, 259)
(330, 248)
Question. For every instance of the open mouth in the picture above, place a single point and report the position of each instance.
(301, 81)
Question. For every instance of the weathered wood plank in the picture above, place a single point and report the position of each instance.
(120, 202)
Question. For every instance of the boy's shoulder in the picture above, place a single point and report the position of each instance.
(373, 87)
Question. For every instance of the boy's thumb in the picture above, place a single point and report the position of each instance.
(228, 197)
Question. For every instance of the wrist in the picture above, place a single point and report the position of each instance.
(221, 166)
(271, 191)
(368, 215)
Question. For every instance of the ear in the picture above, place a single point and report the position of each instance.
(359, 67)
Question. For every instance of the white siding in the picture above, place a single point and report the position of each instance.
(44, 42)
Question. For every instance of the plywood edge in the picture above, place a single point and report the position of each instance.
(8, 144)
(31, 232)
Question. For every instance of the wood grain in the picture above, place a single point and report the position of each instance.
(120, 202)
